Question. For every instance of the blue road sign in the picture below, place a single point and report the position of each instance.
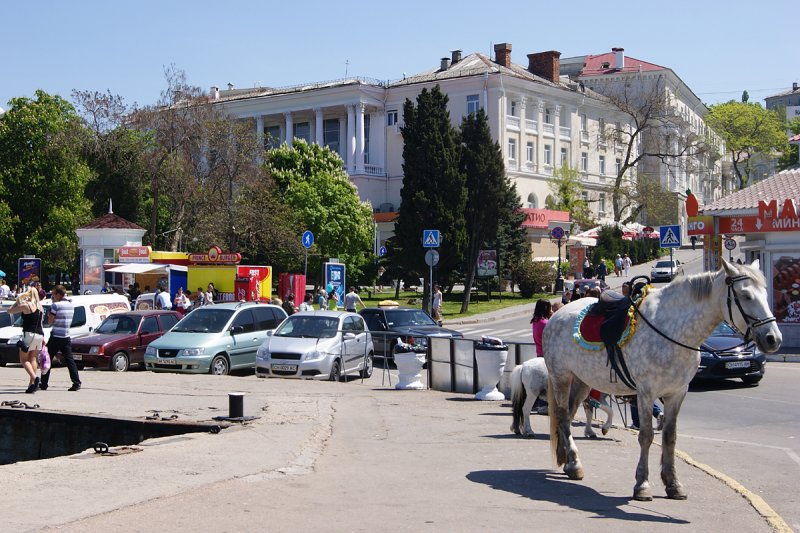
(430, 238)
(382, 251)
(557, 232)
(308, 239)
(670, 236)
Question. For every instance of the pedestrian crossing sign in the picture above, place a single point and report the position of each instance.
(670, 236)
(430, 238)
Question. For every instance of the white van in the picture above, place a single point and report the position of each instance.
(90, 310)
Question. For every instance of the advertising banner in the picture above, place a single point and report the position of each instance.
(335, 282)
(785, 290)
(487, 263)
(28, 269)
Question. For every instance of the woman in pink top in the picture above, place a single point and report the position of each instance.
(540, 315)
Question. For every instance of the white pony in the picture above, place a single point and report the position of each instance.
(528, 382)
(660, 355)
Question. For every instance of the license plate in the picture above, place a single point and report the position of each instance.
(162, 361)
(77, 357)
(737, 364)
(285, 368)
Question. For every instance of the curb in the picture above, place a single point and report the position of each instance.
(784, 358)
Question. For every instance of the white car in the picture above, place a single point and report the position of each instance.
(323, 345)
(666, 270)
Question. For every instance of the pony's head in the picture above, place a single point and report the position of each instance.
(747, 306)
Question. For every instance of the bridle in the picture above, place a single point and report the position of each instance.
(751, 321)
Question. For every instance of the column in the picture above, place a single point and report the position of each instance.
(522, 149)
(540, 141)
(319, 135)
(360, 137)
(557, 139)
(289, 128)
(351, 138)
(378, 141)
(260, 137)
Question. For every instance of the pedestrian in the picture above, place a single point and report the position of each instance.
(555, 307)
(566, 297)
(61, 312)
(437, 303)
(626, 264)
(5, 291)
(288, 304)
(307, 304)
(587, 268)
(541, 314)
(41, 291)
(134, 292)
(182, 303)
(322, 299)
(333, 299)
(658, 414)
(351, 299)
(30, 308)
(618, 265)
(14, 292)
(602, 270)
(593, 292)
(162, 300)
(211, 294)
(576, 295)
(200, 298)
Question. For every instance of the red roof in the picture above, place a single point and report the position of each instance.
(794, 139)
(780, 186)
(111, 221)
(593, 65)
(540, 218)
(384, 217)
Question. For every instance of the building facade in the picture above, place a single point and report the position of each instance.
(788, 100)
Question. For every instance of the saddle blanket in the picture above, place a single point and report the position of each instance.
(586, 331)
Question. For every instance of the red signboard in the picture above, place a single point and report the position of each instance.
(755, 224)
(700, 226)
(134, 254)
(215, 256)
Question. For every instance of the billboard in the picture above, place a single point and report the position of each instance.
(335, 274)
(487, 263)
(28, 269)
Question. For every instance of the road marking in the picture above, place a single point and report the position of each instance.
(788, 451)
(739, 396)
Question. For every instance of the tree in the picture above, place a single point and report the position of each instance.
(566, 187)
(43, 179)
(512, 238)
(745, 96)
(789, 158)
(433, 194)
(748, 130)
(311, 181)
(487, 187)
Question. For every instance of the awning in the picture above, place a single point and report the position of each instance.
(138, 268)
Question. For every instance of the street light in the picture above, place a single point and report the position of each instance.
(558, 236)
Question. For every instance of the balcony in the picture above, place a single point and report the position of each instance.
(547, 170)
(531, 126)
(565, 132)
(548, 129)
(369, 170)
(584, 136)
(512, 122)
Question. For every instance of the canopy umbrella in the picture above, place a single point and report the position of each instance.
(2, 274)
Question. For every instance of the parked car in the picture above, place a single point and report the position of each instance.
(583, 285)
(666, 270)
(121, 339)
(317, 345)
(722, 357)
(214, 339)
(413, 326)
(90, 310)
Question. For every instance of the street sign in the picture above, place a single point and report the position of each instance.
(308, 239)
(670, 236)
(382, 251)
(430, 238)
(730, 244)
(648, 229)
(431, 258)
(557, 232)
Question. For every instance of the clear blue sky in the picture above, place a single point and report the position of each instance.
(717, 48)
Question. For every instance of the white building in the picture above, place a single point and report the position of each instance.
(540, 120)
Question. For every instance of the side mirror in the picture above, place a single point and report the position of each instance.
(439, 322)
(270, 332)
(236, 329)
(90, 329)
(349, 336)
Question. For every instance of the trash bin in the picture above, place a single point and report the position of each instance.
(409, 360)
(490, 356)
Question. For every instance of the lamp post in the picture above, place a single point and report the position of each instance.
(558, 236)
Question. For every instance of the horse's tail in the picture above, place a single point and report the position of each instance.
(518, 397)
(555, 444)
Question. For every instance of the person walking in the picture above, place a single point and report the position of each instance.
(288, 304)
(541, 314)
(307, 304)
(322, 300)
(5, 291)
(618, 265)
(658, 414)
(61, 312)
(162, 300)
(437, 303)
(351, 300)
(30, 308)
(602, 270)
(211, 294)
(182, 303)
(627, 264)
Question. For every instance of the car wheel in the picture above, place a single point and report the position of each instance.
(119, 362)
(336, 371)
(219, 366)
(752, 380)
(3, 363)
(367, 371)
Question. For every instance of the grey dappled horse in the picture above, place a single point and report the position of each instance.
(685, 311)
(528, 382)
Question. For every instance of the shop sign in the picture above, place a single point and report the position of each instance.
(702, 225)
(215, 256)
(769, 219)
(133, 254)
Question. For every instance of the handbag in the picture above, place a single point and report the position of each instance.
(44, 359)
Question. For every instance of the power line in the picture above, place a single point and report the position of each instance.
(748, 90)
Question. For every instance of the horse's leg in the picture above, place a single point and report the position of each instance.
(577, 393)
(669, 435)
(532, 394)
(641, 491)
(588, 431)
(558, 393)
(606, 408)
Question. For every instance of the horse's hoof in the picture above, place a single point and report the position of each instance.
(590, 435)
(677, 493)
(642, 493)
(605, 431)
(573, 471)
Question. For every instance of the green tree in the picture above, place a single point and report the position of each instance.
(789, 158)
(514, 247)
(43, 178)
(311, 181)
(566, 190)
(745, 96)
(487, 187)
(748, 129)
(434, 195)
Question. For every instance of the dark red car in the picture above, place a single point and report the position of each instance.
(121, 339)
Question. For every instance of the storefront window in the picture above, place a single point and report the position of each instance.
(786, 287)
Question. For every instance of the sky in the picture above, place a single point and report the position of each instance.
(717, 48)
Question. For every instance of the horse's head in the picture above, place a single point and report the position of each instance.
(747, 307)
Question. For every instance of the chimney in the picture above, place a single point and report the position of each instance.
(619, 58)
(214, 92)
(794, 86)
(455, 56)
(230, 86)
(502, 54)
(545, 64)
(445, 64)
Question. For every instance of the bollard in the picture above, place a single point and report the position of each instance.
(236, 405)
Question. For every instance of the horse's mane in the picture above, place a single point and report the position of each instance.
(701, 285)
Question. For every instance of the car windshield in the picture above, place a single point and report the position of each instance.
(18, 321)
(204, 320)
(723, 329)
(305, 326)
(663, 264)
(119, 324)
(408, 317)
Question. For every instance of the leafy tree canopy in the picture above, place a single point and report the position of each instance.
(566, 195)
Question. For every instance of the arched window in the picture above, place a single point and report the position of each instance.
(533, 202)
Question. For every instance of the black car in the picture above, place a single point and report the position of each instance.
(722, 356)
(387, 324)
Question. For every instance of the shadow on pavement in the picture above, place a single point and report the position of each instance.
(706, 385)
(543, 485)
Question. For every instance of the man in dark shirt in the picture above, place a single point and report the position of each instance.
(60, 316)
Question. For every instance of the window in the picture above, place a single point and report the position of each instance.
(583, 122)
(302, 130)
(245, 320)
(533, 202)
(548, 118)
(564, 157)
(548, 155)
(391, 117)
(167, 321)
(512, 149)
(617, 166)
(272, 137)
(78, 317)
(265, 319)
(149, 325)
(529, 152)
(367, 122)
(473, 103)
(602, 129)
(602, 164)
(584, 162)
(512, 108)
(601, 203)
(375, 321)
(330, 134)
(584, 196)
